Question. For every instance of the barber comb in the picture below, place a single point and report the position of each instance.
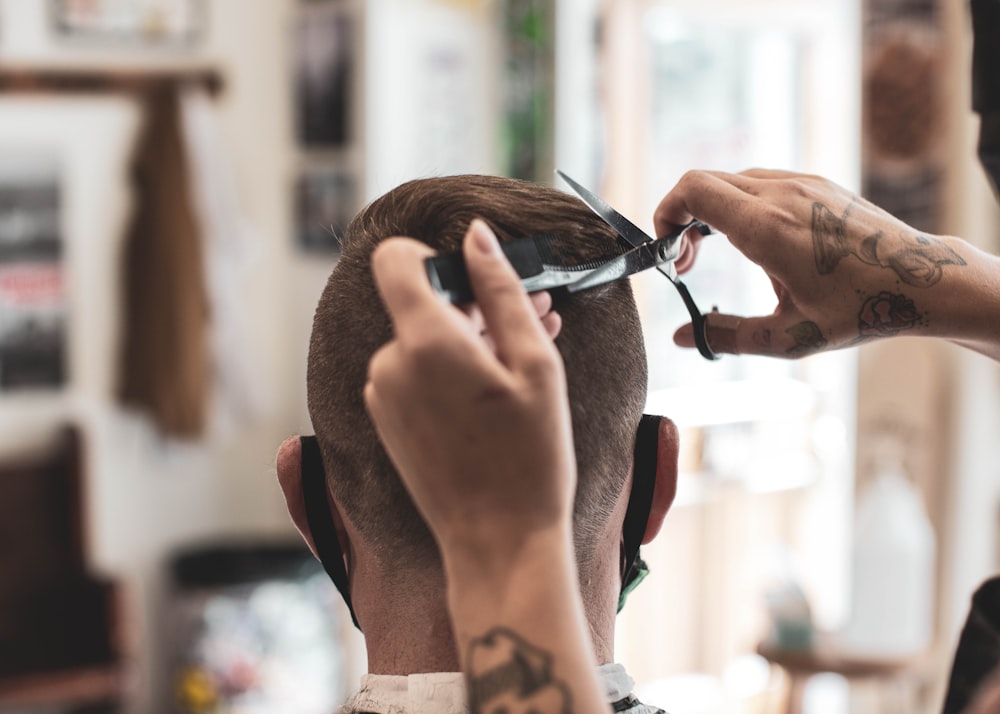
(537, 260)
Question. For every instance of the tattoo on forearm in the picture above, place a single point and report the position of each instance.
(888, 314)
(505, 674)
(808, 339)
(916, 259)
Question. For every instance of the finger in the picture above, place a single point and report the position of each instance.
(688, 252)
(771, 174)
(370, 393)
(789, 336)
(475, 316)
(401, 278)
(509, 314)
(380, 366)
(718, 199)
(542, 302)
(552, 322)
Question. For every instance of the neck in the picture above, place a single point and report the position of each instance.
(599, 588)
(408, 629)
(408, 640)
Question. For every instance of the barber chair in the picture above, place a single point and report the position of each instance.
(60, 645)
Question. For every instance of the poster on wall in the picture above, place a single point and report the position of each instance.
(32, 286)
(323, 70)
(325, 203)
(142, 21)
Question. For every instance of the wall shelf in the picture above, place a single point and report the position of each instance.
(91, 80)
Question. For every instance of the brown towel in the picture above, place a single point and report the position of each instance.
(165, 367)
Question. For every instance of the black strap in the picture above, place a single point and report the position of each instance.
(629, 702)
(641, 497)
(623, 705)
(321, 526)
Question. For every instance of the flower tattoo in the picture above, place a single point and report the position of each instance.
(886, 314)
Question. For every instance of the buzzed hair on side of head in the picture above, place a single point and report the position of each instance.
(600, 342)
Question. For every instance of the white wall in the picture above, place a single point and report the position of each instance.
(147, 496)
(430, 106)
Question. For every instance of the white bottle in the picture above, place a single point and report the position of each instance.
(892, 592)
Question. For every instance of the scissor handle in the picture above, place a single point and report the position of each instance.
(698, 322)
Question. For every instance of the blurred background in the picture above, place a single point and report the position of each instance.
(173, 178)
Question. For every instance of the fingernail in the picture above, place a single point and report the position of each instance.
(484, 238)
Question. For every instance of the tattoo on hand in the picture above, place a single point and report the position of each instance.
(829, 238)
(916, 259)
(808, 339)
(887, 314)
(506, 674)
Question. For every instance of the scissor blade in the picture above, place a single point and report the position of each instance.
(623, 226)
(646, 256)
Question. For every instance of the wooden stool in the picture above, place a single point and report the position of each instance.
(901, 676)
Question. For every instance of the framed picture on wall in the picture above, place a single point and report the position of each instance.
(32, 284)
(326, 200)
(174, 22)
(324, 66)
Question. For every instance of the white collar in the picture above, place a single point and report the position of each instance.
(444, 692)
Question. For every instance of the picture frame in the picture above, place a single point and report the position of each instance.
(33, 300)
(325, 202)
(133, 22)
(324, 67)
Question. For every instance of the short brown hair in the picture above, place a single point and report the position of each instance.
(600, 342)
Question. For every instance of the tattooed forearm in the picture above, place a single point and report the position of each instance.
(887, 314)
(808, 339)
(916, 259)
(505, 674)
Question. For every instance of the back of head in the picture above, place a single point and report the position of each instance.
(600, 341)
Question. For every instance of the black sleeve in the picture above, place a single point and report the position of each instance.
(978, 651)
(986, 82)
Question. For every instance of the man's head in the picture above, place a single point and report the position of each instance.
(600, 342)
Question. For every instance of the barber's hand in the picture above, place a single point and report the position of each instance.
(478, 428)
(472, 408)
(844, 270)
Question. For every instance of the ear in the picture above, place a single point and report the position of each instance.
(667, 450)
(289, 468)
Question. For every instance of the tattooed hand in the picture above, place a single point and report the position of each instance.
(844, 271)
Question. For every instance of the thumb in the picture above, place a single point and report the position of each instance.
(508, 313)
(789, 336)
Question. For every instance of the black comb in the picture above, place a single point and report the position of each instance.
(535, 259)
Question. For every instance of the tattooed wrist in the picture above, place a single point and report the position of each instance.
(507, 673)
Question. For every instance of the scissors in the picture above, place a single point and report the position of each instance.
(539, 267)
(646, 253)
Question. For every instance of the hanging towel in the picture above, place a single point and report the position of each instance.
(165, 366)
